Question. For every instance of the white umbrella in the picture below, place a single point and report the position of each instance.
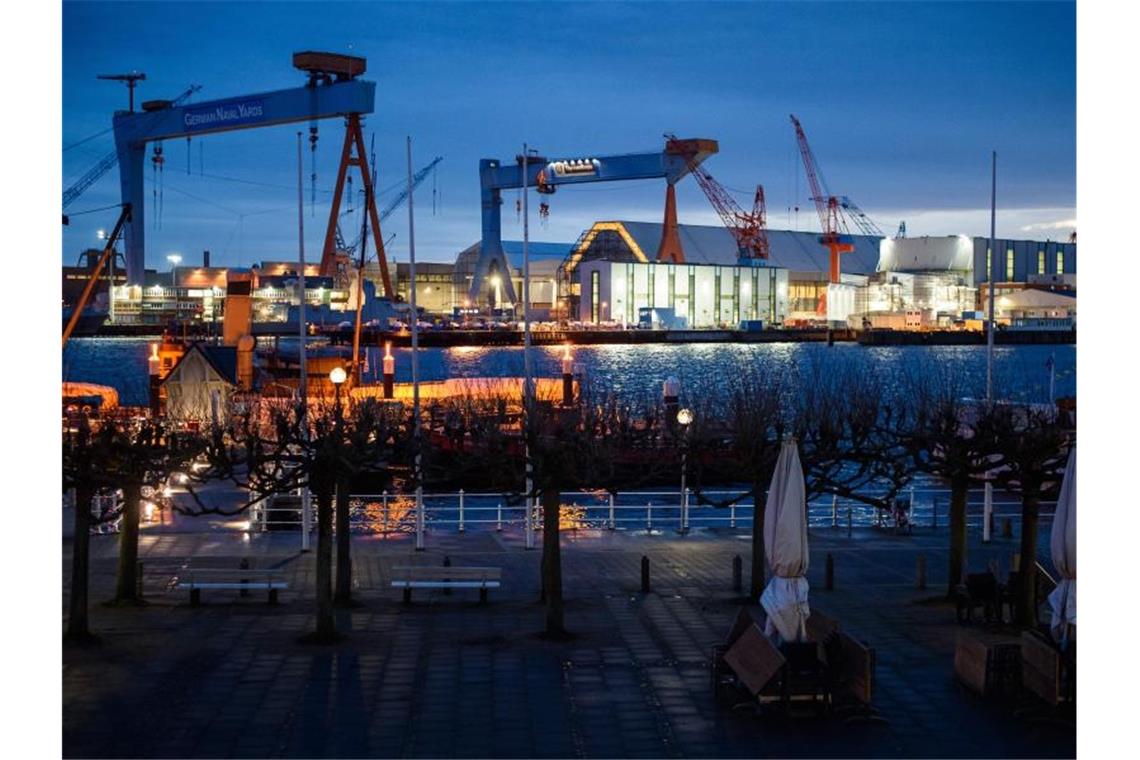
(1063, 544)
(785, 599)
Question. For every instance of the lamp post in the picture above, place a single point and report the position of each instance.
(174, 260)
(684, 419)
(338, 376)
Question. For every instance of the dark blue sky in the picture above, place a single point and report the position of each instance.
(901, 102)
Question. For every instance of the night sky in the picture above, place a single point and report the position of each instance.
(901, 102)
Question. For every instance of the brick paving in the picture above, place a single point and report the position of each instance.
(448, 677)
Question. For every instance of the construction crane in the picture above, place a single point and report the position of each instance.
(96, 172)
(395, 203)
(748, 228)
(834, 211)
(104, 257)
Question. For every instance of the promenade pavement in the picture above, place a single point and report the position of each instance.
(448, 677)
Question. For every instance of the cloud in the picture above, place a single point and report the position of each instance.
(1063, 224)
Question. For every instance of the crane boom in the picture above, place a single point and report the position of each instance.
(747, 228)
(828, 208)
(396, 202)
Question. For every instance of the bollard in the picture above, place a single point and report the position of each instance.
(139, 579)
(499, 517)
(849, 522)
(1007, 528)
(829, 573)
(447, 563)
(644, 574)
(460, 510)
(737, 573)
(920, 573)
(244, 565)
(613, 523)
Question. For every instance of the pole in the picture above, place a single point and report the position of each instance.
(303, 368)
(111, 288)
(991, 280)
(987, 511)
(1052, 374)
(528, 536)
(415, 357)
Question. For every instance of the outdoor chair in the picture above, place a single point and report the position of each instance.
(979, 590)
(1008, 594)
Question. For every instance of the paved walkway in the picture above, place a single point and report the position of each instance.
(448, 677)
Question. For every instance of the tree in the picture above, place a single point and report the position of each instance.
(275, 448)
(753, 427)
(141, 454)
(1033, 445)
(86, 450)
(950, 441)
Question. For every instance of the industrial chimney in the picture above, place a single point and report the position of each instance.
(205, 259)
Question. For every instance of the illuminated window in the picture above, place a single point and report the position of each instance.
(1041, 262)
(989, 264)
(1009, 265)
(594, 292)
(1060, 262)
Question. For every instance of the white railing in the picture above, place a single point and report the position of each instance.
(646, 511)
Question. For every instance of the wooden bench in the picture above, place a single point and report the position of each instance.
(987, 662)
(1045, 672)
(239, 579)
(422, 576)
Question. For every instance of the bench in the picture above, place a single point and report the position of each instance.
(421, 576)
(240, 579)
(987, 663)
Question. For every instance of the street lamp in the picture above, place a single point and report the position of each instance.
(684, 419)
(338, 376)
(174, 260)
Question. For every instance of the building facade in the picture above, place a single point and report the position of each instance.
(693, 295)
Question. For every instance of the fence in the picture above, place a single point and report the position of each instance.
(642, 511)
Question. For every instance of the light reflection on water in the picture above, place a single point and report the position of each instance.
(638, 370)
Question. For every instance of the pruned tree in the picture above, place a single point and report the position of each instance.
(951, 441)
(141, 454)
(272, 448)
(87, 450)
(1033, 444)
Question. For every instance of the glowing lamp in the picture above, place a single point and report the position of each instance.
(338, 375)
(685, 417)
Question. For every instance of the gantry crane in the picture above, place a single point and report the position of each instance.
(749, 229)
(109, 161)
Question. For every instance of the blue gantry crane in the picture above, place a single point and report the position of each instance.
(108, 162)
(546, 175)
(333, 90)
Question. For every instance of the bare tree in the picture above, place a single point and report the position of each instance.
(951, 441)
(87, 450)
(1033, 445)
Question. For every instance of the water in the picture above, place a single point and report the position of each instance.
(1020, 371)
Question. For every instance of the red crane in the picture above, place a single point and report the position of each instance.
(749, 229)
(827, 205)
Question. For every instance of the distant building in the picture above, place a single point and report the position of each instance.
(75, 278)
(799, 253)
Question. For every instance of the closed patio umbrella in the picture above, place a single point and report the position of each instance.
(785, 598)
(1063, 545)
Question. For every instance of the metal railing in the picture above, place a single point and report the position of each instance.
(644, 511)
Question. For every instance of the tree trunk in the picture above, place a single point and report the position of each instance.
(959, 491)
(756, 584)
(77, 629)
(552, 562)
(1027, 592)
(326, 625)
(126, 585)
(343, 547)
